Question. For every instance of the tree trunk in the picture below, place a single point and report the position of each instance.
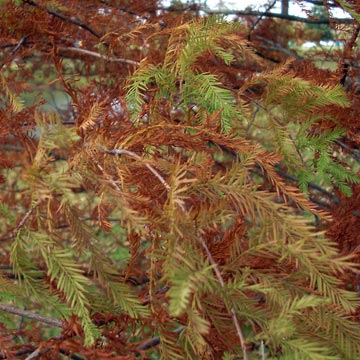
(285, 7)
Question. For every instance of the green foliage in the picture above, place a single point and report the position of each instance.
(186, 45)
(211, 97)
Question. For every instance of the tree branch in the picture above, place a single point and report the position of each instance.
(63, 49)
(320, 3)
(208, 11)
(271, 45)
(137, 157)
(156, 340)
(279, 16)
(30, 315)
(260, 18)
(71, 20)
(15, 49)
(25, 218)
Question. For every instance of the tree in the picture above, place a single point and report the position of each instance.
(197, 199)
(285, 7)
(323, 31)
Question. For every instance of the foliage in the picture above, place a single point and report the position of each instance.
(188, 203)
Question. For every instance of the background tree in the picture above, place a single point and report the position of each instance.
(175, 185)
(322, 31)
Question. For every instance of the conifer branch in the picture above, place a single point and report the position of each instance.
(211, 259)
(31, 315)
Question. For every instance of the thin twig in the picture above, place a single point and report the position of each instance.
(71, 19)
(137, 157)
(37, 352)
(271, 45)
(262, 350)
(25, 218)
(63, 49)
(19, 353)
(222, 283)
(15, 49)
(18, 330)
(260, 18)
(21, 42)
(31, 315)
(156, 340)
(353, 152)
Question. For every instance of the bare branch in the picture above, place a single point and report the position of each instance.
(279, 16)
(63, 49)
(30, 315)
(15, 49)
(321, 3)
(271, 45)
(71, 20)
(36, 353)
(265, 14)
(156, 340)
(25, 218)
(260, 18)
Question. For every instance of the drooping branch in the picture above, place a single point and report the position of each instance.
(212, 261)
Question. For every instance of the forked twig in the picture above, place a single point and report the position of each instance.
(137, 157)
